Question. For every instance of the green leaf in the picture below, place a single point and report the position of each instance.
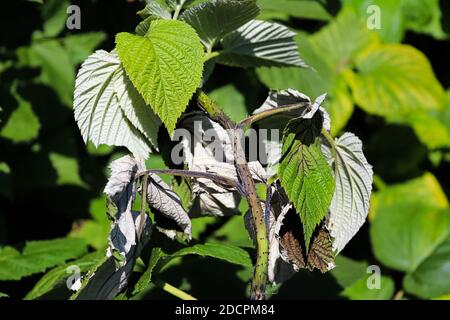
(67, 169)
(353, 277)
(94, 232)
(331, 53)
(23, 125)
(165, 66)
(55, 63)
(214, 19)
(231, 101)
(295, 8)
(109, 110)
(260, 43)
(360, 291)
(398, 16)
(308, 181)
(410, 232)
(152, 11)
(431, 278)
(353, 175)
(424, 16)
(146, 277)
(226, 252)
(58, 275)
(80, 46)
(3, 295)
(234, 232)
(54, 15)
(386, 73)
(37, 256)
(407, 227)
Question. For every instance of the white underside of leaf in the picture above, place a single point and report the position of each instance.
(354, 176)
(108, 109)
(261, 43)
(161, 197)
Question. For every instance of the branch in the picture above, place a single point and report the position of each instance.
(268, 113)
(258, 288)
(173, 290)
(222, 180)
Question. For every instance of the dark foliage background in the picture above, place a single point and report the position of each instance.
(51, 184)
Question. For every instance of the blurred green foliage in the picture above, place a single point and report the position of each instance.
(388, 85)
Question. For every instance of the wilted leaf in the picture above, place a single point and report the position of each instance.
(161, 197)
(353, 175)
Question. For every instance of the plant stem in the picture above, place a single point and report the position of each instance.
(177, 10)
(330, 140)
(211, 55)
(222, 180)
(144, 186)
(258, 288)
(268, 113)
(173, 290)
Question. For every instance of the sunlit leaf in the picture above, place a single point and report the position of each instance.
(260, 43)
(165, 66)
(214, 19)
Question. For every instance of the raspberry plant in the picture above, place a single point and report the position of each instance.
(315, 191)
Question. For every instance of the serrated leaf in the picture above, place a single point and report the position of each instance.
(260, 43)
(152, 11)
(216, 18)
(56, 276)
(307, 178)
(37, 256)
(165, 66)
(226, 252)
(107, 108)
(353, 175)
